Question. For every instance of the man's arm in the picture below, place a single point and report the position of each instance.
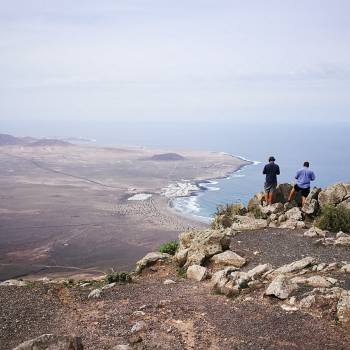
(297, 175)
(278, 170)
(313, 176)
(264, 171)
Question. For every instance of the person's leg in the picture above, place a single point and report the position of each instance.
(291, 194)
(271, 197)
(303, 199)
(267, 197)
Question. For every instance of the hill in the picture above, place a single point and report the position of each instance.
(6, 139)
(167, 157)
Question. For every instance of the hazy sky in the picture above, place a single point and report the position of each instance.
(174, 60)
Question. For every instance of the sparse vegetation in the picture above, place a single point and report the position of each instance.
(181, 271)
(334, 219)
(225, 213)
(258, 214)
(169, 247)
(116, 277)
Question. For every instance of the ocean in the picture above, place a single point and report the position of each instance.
(325, 144)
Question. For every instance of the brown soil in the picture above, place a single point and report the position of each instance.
(185, 315)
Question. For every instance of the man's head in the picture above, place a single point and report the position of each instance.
(272, 159)
(306, 164)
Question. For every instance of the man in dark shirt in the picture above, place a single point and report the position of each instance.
(271, 170)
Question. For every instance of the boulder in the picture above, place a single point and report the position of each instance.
(345, 268)
(281, 287)
(95, 294)
(259, 270)
(294, 266)
(343, 307)
(311, 205)
(294, 214)
(150, 259)
(315, 232)
(272, 209)
(334, 194)
(314, 281)
(138, 327)
(343, 241)
(256, 201)
(282, 192)
(228, 258)
(197, 273)
(196, 246)
(247, 223)
(52, 342)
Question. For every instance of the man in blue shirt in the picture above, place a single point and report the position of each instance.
(304, 176)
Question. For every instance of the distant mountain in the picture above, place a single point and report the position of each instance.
(49, 142)
(167, 157)
(9, 140)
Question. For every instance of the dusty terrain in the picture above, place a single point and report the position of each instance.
(64, 209)
(184, 315)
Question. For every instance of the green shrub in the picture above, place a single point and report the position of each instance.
(334, 219)
(181, 271)
(258, 214)
(169, 247)
(122, 277)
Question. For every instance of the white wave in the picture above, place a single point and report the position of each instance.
(238, 175)
(213, 188)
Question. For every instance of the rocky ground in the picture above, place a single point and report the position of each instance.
(155, 313)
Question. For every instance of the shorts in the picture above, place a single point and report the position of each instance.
(270, 187)
(304, 191)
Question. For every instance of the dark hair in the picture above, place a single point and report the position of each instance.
(272, 159)
(307, 164)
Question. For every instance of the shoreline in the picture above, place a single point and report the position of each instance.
(202, 189)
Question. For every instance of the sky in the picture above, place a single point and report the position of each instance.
(179, 60)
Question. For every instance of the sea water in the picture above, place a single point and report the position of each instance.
(325, 144)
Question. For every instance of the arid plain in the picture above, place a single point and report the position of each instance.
(65, 209)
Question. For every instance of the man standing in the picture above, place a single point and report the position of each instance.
(271, 170)
(304, 176)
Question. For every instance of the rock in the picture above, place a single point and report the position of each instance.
(259, 270)
(315, 232)
(281, 287)
(294, 214)
(256, 201)
(134, 339)
(247, 223)
(343, 307)
(346, 203)
(241, 279)
(108, 286)
(52, 342)
(282, 218)
(96, 293)
(230, 289)
(313, 281)
(282, 192)
(150, 259)
(169, 281)
(294, 266)
(122, 347)
(311, 205)
(289, 224)
(138, 326)
(197, 273)
(228, 258)
(13, 282)
(200, 245)
(272, 209)
(345, 268)
(343, 241)
(341, 234)
(334, 194)
(138, 313)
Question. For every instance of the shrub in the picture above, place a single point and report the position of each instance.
(334, 219)
(122, 277)
(181, 271)
(258, 214)
(169, 247)
(225, 213)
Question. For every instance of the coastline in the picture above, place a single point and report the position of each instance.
(202, 189)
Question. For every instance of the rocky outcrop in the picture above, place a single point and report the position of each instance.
(13, 282)
(335, 195)
(247, 223)
(281, 287)
(197, 246)
(311, 206)
(52, 342)
(150, 259)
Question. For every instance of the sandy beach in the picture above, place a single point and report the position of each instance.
(81, 210)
